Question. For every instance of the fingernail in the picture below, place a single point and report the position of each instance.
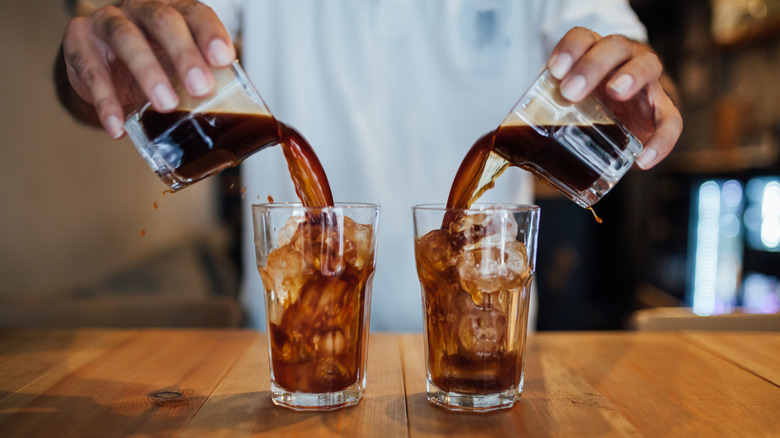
(114, 126)
(197, 82)
(164, 97)
(646, 158)
(220, 53)
(560, 65)
(621, 84)
(572, 88)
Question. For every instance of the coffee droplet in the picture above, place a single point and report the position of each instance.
(595, 216)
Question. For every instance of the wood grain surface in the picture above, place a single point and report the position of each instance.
(196, 383)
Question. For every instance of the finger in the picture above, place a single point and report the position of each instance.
(642, 70)
(210, 35)
(86, 68)
(169, 29)
(569, 49)
(597, 63)
(132, 48)
(668, 127)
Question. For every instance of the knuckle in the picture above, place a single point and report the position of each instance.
(654, 62)
(75, 27)
(89, 76)
(619, 42)
(160, 15)
(74, 58)
(194, 8)
(117, 28)
(76, 61)
(105, 12)
(650, 64)
(584, 33)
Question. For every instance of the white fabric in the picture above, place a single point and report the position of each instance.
(391, 94)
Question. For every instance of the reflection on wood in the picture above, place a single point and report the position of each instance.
(216, 383)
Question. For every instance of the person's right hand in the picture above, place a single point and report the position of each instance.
(118, 56)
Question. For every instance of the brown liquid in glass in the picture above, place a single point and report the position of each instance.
(452, 366)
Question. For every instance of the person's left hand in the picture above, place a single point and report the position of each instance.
(627, 76)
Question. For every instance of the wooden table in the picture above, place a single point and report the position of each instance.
(122, 383)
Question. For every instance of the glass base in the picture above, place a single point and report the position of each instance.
(327, 401)
(472, 402)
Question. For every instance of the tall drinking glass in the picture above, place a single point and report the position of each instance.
(475, 267)
(317, 267)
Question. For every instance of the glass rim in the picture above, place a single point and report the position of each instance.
(480, 207)
(299, 206)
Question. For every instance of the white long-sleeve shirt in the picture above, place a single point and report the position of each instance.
(391, 94)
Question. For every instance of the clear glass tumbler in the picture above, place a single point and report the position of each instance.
(581, 148)
(317, 267)
(475, 267)
(204, 136)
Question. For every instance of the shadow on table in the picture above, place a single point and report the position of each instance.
(255, 413)
(560, 396)
(134, 410)
(140, 413)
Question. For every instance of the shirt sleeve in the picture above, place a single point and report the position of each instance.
(229, 12)
(604, 17)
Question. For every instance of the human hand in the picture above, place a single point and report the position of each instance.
(123, 55)
(627, 76)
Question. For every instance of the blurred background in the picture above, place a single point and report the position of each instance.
(90, 240)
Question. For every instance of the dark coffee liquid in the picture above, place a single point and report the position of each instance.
(306, 171)
(203, 144)
(534, 149)
(318, 345)
(467, 375)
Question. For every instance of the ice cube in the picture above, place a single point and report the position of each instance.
(323, 246)
(361, 238)
(481, 331)
(283, 276)
(320, 304)
(289, 229)
(295, 349)
(435, 252)
(492, 268)
(470, 228)
(331, 343)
